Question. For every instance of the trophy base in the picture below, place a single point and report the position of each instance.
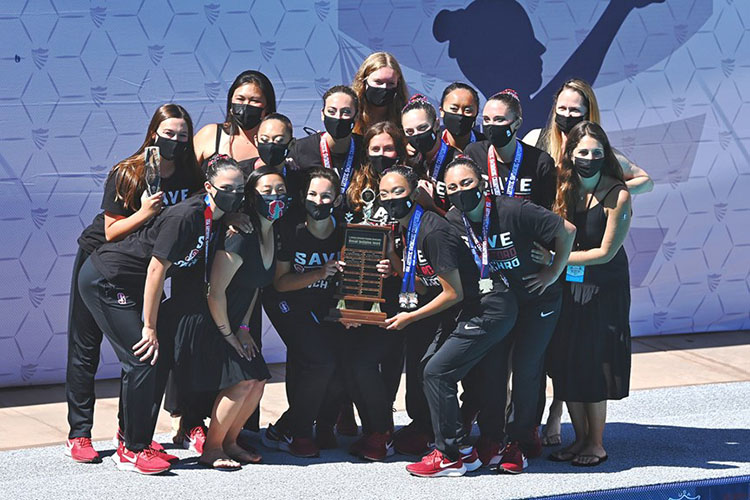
(357, 316)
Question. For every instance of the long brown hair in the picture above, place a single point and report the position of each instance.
(374, 62)
(551, 136)
(568, 182)
(365, 176)
(131, 182)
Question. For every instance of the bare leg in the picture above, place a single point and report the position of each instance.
(551, 436)
(250, 403)
(593, 450)
(578, 417)
(228, 404)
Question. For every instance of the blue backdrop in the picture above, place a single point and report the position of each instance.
(79, 81)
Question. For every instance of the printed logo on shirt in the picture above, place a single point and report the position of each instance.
(523, 185)
(283, 306)
(174, 197)
(425, 271)
(122, 299)
(304, 261)
(191, 258)
(503, 253)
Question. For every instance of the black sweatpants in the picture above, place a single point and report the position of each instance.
(312, 363)
(118, 311)
(368, 349)
(84, 346)
(418, 338)
(449, 359)
(523, 351)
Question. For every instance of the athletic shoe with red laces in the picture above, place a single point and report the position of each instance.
(80, 450)
(146, 461)
(325, 438)
(346, 424)
(358, 446)
(513, 461)
(488, 451)
(410, 440)
(470, 458)
(195, 439)
(533, 447)
(436, 465)
(378, 447)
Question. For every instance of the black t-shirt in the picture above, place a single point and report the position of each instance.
(306, 153)
(537, 177)
(427, 168)
(515, 225)
(440, 249)
(307, 253)
(177, 187)
(176, 235)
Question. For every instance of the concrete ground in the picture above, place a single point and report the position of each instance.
(36, 416)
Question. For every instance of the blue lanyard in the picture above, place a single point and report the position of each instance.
(439, 160)
(482, 261)
(473, 137)
(510, 186)
(346, 173)
(407, 282)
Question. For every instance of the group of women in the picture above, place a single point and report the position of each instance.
(504, 261)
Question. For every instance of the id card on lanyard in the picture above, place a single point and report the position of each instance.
(575, 274)
(407, 299)
(510, 186)
(325, 157)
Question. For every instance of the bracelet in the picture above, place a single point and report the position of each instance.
(244, 328)
(552, 259)
(227, 335)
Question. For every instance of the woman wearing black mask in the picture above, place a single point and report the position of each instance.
(511, 167)
(428, 154)
(381, 90)
(459, 108)
(216, 347)
(123, 282)
(128, 203)
(505, 230)
(251, 97)
(308, 260)
(575, 102)
(589, 359)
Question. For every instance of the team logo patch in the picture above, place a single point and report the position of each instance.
(299, 268)
(122, 299)
(275, 208)
(284, 306)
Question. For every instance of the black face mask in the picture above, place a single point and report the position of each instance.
(226, 201)
(458, 125)
(466, 200)
(273, 153)
(587, 167)
(318, 211)
(170, 149)
(423, 142)
(379, 96)
(566, 123)
(338, 127)
(271, 206)
(381, 163)
(397, 208)
(499, 135)
(246, 116)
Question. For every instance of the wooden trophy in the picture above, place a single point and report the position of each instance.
(360, 291)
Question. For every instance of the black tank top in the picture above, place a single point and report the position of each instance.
(590, 225)
(246, 166)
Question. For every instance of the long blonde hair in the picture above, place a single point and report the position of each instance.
(551, 139)
(374, 62)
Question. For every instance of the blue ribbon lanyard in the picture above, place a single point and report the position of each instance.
(346, 172)
(481, 256)
(473, 137)
(510, 187)
(407, 282)
(439, 160)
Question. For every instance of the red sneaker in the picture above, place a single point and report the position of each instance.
(533, 447)
(470, 458)
(299, 447)
(195, 439)
(378, 447)
(436, 465)
(146, 461)
(346, 424)
(410, 440)
(325, 438)
(513, 461)
(488, 451)
(163, 453)
(358, 446)
(80, 450)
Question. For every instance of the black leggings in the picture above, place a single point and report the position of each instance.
(117, 311)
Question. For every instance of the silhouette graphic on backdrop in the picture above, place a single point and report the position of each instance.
(510, 55)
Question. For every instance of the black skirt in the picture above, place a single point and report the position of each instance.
(589, 355)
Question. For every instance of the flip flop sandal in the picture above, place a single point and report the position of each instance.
(599, 460)
(225, 468)
(561, 456)
(552, 440)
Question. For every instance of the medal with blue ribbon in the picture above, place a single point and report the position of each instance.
(407, 299)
